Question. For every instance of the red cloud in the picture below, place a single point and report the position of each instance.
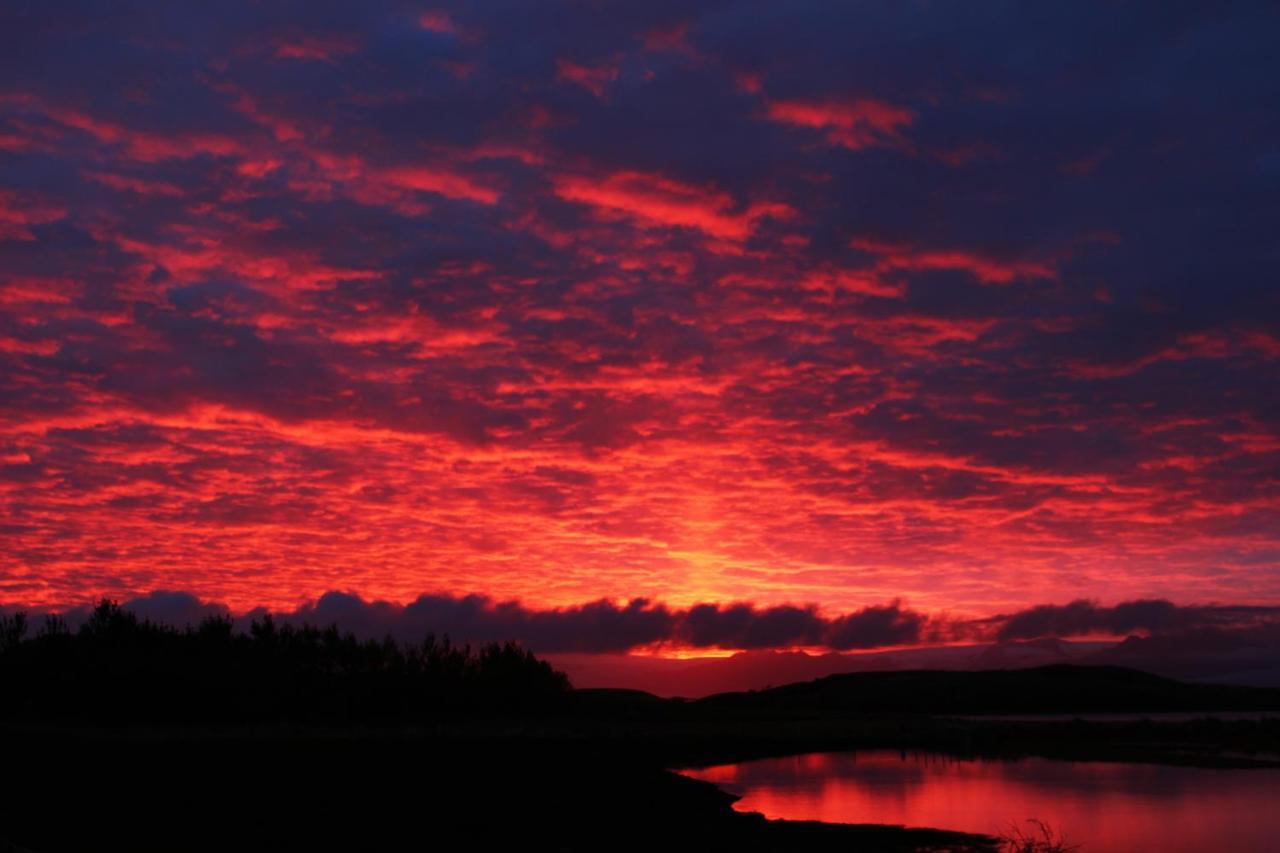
(852, 281)
(143, 146)
(17, 214)
(985, 268)
(135, 185)
(321, 48)
(653, 201)
(395, 332)
(750, 82)
(1207, 345)
(674, 39)
(441, 181)
(594, 78)
(437, 21)
(854, 124)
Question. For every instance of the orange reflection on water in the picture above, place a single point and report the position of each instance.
(1104, 807)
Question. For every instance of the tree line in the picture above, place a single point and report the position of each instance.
(119, 669)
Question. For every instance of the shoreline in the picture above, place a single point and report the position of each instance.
(570, 778)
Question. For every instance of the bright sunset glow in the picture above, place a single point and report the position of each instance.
(553, 305)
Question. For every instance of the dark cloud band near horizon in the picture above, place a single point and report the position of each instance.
(606, 627)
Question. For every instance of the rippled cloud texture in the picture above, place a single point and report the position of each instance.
(968, 305)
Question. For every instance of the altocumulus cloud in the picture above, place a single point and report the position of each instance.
(497, 297)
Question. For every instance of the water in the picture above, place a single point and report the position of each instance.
(1104, 807)
(1128, 717)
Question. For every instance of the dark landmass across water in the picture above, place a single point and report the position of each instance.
(1200, 656)
(1053, 689)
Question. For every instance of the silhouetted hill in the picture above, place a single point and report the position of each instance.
(1223, 657)
(1055, 689)
(758, 669)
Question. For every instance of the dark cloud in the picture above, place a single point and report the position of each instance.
(743, 626)
(595, 627)
(1153, 626)
(1157, 634)
(873, 627)
(1150, 616)
(163, 607)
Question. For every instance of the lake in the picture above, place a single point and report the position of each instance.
(1102, 806)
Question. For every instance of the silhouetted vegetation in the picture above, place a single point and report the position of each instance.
(1037, 837)
(117, 669)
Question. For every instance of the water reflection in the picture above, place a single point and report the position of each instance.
(1105, 807)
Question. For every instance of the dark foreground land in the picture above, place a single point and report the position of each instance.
(128, 737)
(272, 791)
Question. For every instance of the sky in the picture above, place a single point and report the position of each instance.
(920, 314)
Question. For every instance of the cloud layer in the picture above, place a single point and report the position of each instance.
(560, 302)
(602, 626)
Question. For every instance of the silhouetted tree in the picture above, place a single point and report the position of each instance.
(12, 630)
(119, 669)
